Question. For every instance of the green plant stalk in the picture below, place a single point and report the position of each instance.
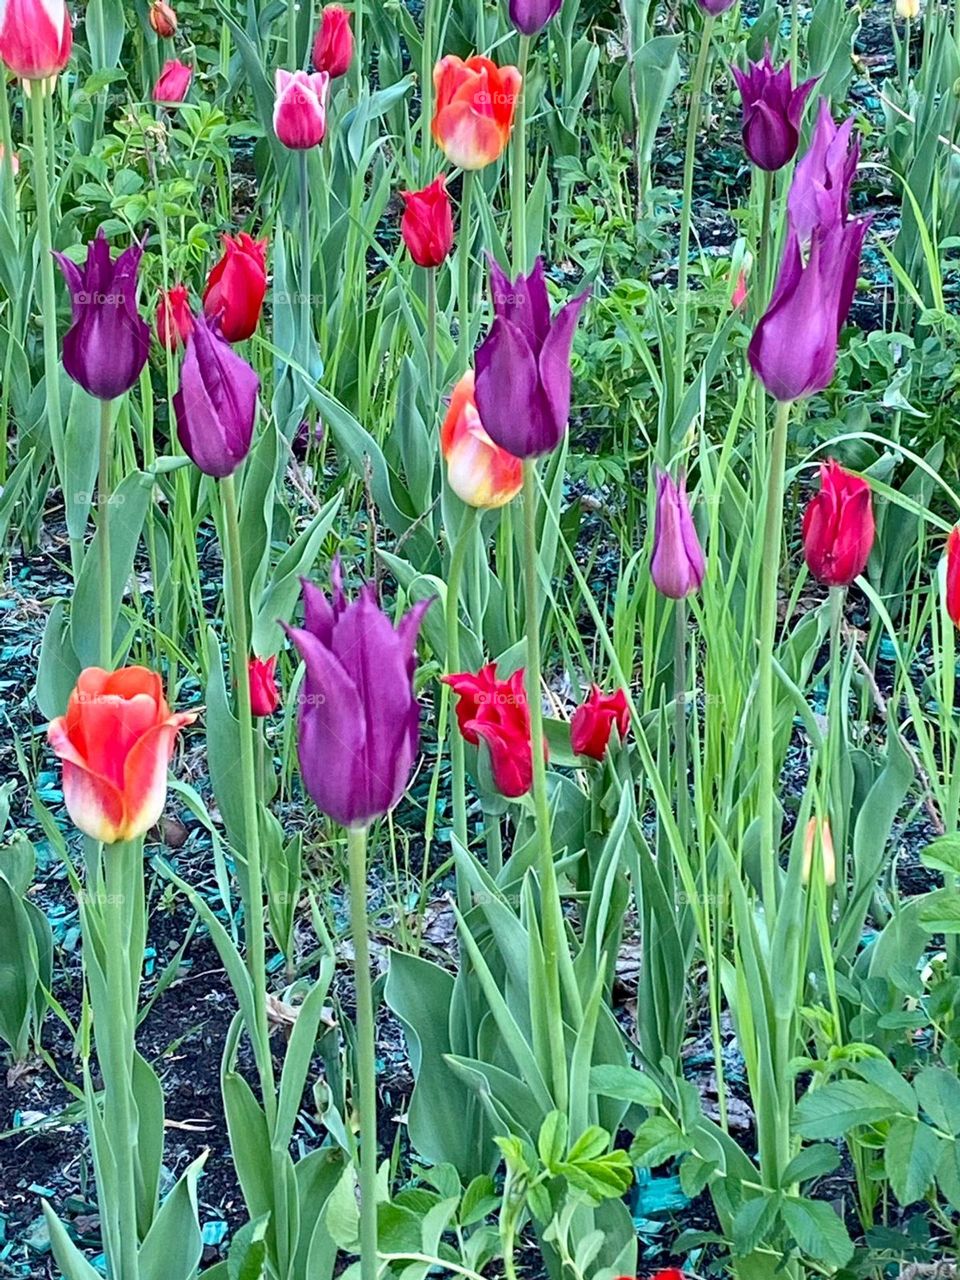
(693, 122)
(431, 290)
(834, 708)
(680, 717)
(366, 1060)
(552, 924)
(427, 59)
(457, 765)
(305, 256)
(491, 828)
(794, 38)
(103, 536)
(463, 257)
(255, 939)
(764, 247)
(770, 572)
(518, 169)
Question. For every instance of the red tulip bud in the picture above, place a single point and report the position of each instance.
(163, 19)
(264, 694)
(838, 527)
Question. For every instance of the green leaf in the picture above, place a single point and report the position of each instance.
(174, 1245)
(910, 1159)
(341, 1213)
(627, 1085)
(939, 1093)
(479, 1200)
(811, 1162)
(658, 1139)
(818, 1230)
(837, 1107)
(248, 1251)
(943, 854)
(940, 912)
(552, 1142)
(752, 1223)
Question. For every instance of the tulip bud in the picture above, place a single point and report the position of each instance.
(216, 402)
(908, 9)
(35, 38)
(427, 223)
(838, 527)
(300, 110)
(163, 19)
(715, 7)
(818, 833)
(237, 286)
(14, 159)
(594, 719)
(531, 16)
(952, 586)
(333, 47)
(772, 109)
(677, 566)
(479, 472)
(264, 694)
(174, 317)
(172, 82)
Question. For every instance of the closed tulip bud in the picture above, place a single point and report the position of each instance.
(358, 724)
(14, 160)
(427, 223)
(594, 719)
(772, 110)
(174, 322)
(116, 742)
(479, 472)
(475, 105)
(677, 566)
(716, 7)
(952, 591)
(838, 527)
(108, 343)
(172, 82)
(163, 19)
(496, 712)
(908, 9)
(531, 16)
(333, 46)
(264, 694)
(216, 402)
(237, 286)
(523, 364)
(35, 38)
(300, 110)
(818, 833)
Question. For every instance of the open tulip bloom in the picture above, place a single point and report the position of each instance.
(476, 102)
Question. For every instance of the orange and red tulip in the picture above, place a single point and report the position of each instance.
(475, 106)
(479, 472)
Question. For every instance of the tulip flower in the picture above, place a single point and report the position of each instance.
(475, 105)
(716, 7)
(237, 286)
(838, 527)
(819, 194)
(333, 46)
(216, 402)
(594, 719)
(427, 223)
(174, 321)
(116, 741)
(819, 830)
(523, 365)
(14, 159)
(35, 38)
(358, 724)
(172, 82)
(264, 694)
(952, 594)
(479, 472)
(907, 9)
(496, 711)
(300, 111)
(772, 110)
(677, 565)
(163, 19)
(740, 293)
(531, 16)
(108, 343)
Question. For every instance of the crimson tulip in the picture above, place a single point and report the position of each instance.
(475, 106)
(35, 38)
(838, 527)
(173, 82)
(333, 46)
(953, 575)
(264, 694)
(594, 719)
(479, 472)
(427, 223)
(174, 323)
(496, 711)
(237, 286)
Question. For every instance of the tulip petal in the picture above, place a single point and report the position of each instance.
(555, 360)
(508, 392)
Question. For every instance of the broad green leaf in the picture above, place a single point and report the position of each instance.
(818, 1230)
(911, 1154)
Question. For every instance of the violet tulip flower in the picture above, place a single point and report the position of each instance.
(216, 402)
(531, 16)
(820, 191)
(772, 110)
(358, 724)
(677, 566)
(108, 343)
(716, 7)
(523, 365)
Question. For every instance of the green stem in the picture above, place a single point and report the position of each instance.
(457, 766)
(680, 713)
(762, 287)
(256, 942)
(794, 39)
(428, 57)
(770, 571)
(305, 264)
(366, 1052)
(431, 286)
(549, 891)
(518, 170)
(103, 536)
(834, 708)
(693, 122)
(491, 827)
(466, 235)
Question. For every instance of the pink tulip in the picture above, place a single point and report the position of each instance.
(172, 82)
(35, 37)
(300, 113)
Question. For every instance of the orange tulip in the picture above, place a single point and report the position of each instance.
(480, 473)
(116, 741)
(810, 836)
(476, 103)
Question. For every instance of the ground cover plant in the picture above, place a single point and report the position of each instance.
(480, 546)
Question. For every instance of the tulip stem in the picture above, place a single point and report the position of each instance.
(518, 170)
(431, 288)
(457, 766)
(763, 247)
(680, 712)
(770, 573)
(428, 57)
(366, 1095)
(466, 236)
(256, 943)
(103, 536)
(305, 255)
(693, 122)
(835, 734)
(552, 914)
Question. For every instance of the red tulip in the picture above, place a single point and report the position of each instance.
(264, 694)
(236, 286)
(476, 103)
(953, 575)
(333, 47)
(172, 82)
(496, 711)
(593, 720)
(427, 223)
(479, 472)
(116, 742)
(300, 111)
(838, 527)
(174, 317)
(35, 38)
(163, 19)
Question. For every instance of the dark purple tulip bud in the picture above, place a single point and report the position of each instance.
(677, 566)
(772, 110)
(820, 190)
(531, 16)
(716, 7)
(107, 345)
(358, 724)
(216, 402)
(523, 365)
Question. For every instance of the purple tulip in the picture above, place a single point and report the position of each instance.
(677, 566)
(523, 365)
(820, 190)
(358, 725)
(531, 16)
(772, 109)
(216, 403)
(107, 345)
(716, 7)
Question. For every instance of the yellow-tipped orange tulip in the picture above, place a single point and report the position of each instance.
(479, 472)
(116, 741)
